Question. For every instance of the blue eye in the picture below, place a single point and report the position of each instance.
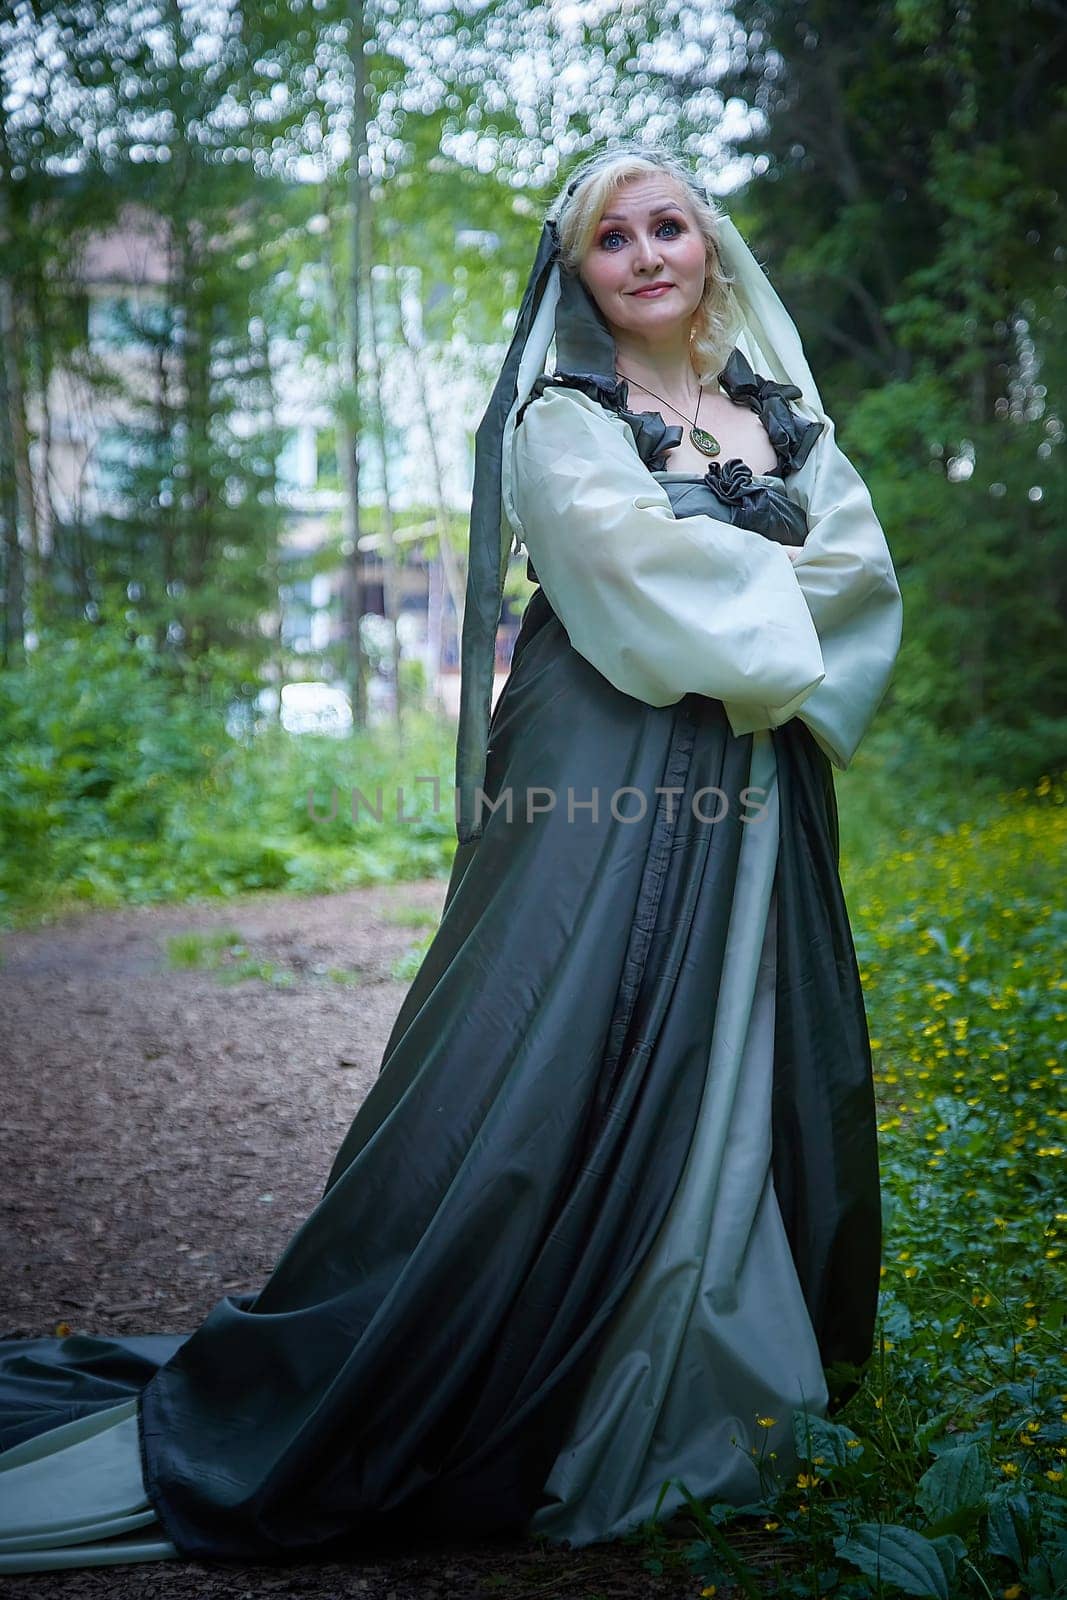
(615, 233)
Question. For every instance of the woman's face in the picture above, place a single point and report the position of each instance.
(645, 266)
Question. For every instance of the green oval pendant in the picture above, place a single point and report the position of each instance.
(705, 442)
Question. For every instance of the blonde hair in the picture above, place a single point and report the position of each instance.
(577, 211)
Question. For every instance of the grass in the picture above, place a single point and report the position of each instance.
(227, 956)
(347, 977)
(411, 916)
(201, 951)
(406, 966)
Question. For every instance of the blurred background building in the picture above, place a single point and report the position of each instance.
(87, 445)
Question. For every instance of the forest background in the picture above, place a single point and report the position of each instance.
(894, 164)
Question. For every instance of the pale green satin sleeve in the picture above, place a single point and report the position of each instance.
(660, 605)
(845, 572)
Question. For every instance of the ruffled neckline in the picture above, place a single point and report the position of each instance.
(791, 435)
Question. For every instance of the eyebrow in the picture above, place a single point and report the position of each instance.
(668, 205)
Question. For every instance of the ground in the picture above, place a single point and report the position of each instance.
(164, 1131)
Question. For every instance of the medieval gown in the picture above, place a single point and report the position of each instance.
(613, 1197)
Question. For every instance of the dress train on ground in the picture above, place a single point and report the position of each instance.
(75, 1497)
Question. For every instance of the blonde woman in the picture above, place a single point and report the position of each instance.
(610, 1211)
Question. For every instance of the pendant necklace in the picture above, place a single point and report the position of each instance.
(705, 442)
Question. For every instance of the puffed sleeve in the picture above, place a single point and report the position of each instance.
(660, 605)
(846, 575)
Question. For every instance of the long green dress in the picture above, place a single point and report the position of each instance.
(613, 1197)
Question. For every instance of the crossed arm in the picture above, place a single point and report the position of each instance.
(663, 605)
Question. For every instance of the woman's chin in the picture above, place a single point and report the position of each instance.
(657, 319)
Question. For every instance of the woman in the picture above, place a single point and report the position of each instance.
(613, 1197)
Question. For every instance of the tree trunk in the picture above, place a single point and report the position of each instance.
(12, 639)
(43, 576)
(349, 428)
(16, 492)
(390, 584)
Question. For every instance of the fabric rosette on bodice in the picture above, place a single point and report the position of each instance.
(731, 480)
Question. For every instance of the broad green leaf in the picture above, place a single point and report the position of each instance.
(903, 1558)
(956, 1479)
(1008, 1529)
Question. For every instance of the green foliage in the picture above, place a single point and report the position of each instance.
(911, 214)
(119, 785)
(100, 750)
(902, 1559)
(979, 559)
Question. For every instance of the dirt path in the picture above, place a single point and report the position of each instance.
(163, 1133)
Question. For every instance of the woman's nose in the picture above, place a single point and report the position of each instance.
(649, 257)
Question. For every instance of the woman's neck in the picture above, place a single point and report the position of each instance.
(665, 366)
